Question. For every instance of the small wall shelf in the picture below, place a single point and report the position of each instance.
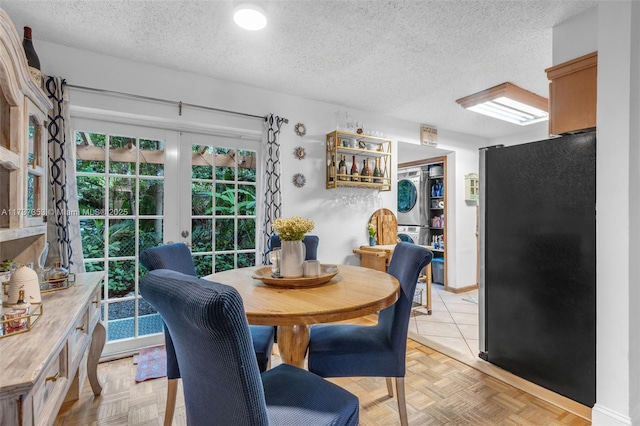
(361, 148)
(471, 187)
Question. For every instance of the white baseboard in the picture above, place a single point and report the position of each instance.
(602, 416)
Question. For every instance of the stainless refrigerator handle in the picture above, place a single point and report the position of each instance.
(482, 302)
(482, 342)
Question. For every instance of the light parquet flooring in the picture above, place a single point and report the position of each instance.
(439, 391)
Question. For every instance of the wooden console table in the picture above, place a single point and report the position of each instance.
(42, 368)
(379, 256)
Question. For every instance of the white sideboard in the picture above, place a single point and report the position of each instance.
(43, 368)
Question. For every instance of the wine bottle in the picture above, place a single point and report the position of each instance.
(354, 170)
(377, 173)
(32, 57)
(21, 303)
(332, 168)
(366, 171)
(342, 168)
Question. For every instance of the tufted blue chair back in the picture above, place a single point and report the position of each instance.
(221, 381)
(213, 345)
(176, 257)
(406, 263)
(350, 350)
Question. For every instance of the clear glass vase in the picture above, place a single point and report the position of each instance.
(57, 275)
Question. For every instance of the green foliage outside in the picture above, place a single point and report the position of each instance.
(215, 211)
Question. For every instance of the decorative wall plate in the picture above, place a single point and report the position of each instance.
(300, 129)
(299, 180)
(299, 152)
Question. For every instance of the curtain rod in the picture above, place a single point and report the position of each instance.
(179, 104)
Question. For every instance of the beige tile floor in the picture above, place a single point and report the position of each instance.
(452, 325)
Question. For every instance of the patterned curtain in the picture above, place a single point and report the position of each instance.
(63, 226)
(271, 182)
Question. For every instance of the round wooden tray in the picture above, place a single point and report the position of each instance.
(327, 272)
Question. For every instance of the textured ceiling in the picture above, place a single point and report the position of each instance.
(406, 59)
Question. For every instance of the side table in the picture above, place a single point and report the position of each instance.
(379, 256)
(43, 368)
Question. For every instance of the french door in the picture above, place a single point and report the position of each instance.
(218, 187)
(139, 187)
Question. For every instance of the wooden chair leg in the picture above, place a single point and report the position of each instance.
(402, 402)
(172, 391)
(389, 386)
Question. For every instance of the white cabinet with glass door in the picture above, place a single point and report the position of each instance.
(36, 194)
(23, 159)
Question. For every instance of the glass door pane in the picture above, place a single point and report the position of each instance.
(36, 173)
(220, 213)
(122, 174)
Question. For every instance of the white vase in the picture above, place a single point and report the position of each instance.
(293, 254)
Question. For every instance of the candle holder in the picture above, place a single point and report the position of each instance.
(16, 321)
(55, 284)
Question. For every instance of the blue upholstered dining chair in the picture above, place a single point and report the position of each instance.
(177, 257)
(349, 350)
(310, 242)
(221, 381)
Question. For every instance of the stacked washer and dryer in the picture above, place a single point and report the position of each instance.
(412, 208)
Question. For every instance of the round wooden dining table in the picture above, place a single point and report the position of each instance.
(354, 292)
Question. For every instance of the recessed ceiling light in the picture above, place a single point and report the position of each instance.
(250, 17)
(508, 102)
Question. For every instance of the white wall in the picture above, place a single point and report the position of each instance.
(575, 37)
(464, 264)
(613, 30)
(634, 214)
(617, 207)
(341, 228)
(462, 158)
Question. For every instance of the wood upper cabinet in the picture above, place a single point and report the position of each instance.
(23, 155)
(573, 95)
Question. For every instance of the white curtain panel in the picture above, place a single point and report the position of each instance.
(271, 190)
(63, 226)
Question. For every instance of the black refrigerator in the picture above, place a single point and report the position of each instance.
(537, 289)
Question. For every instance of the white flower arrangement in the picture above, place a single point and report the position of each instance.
(292, 229)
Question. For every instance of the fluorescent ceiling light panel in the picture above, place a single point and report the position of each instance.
(250, 17)
(510, 103)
